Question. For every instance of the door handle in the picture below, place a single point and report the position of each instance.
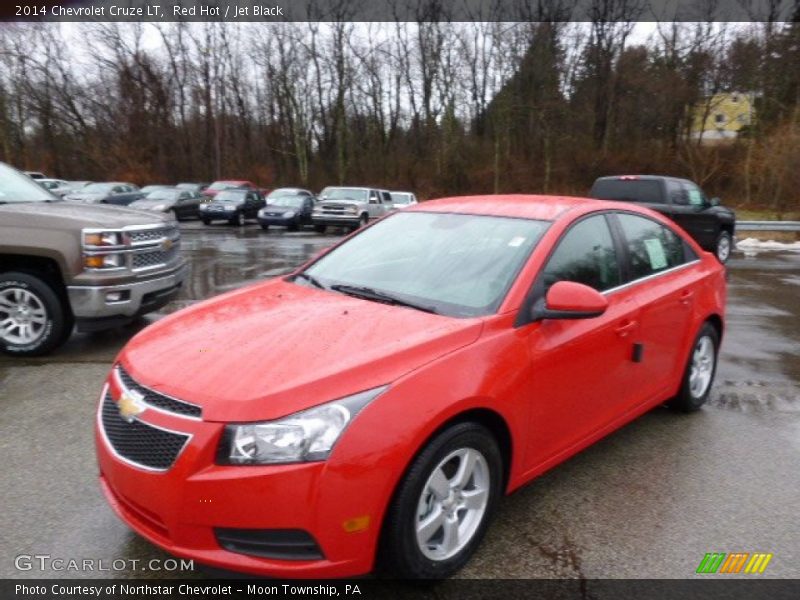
(624, 329)
(686, 296)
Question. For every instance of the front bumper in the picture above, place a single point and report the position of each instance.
(91, 302)
(279, 221)
(336, 220)
(180, 508)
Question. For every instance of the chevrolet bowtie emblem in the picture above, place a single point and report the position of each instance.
(167, 244)
(130, 405)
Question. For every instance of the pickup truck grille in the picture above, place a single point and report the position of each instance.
(156, 400)
(336, 209)
(156, 258)
(150, 235)
(139, 443)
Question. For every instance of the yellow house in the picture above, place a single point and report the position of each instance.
(721, 116)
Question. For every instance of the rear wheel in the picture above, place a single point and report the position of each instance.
(443, 505)
(33, 320)
(206, 221)
(724, 246)
(700, 370)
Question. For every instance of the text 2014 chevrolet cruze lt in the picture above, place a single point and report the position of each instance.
(373, 406)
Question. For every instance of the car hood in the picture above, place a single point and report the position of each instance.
(225, 204)
(151, 203)
(275, 348)
(58, 215)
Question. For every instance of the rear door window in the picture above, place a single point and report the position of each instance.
(652, 247)
(585, 255)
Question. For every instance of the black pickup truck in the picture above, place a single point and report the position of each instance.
(710, 224)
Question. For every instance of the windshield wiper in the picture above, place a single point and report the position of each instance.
(311, 279)
(368, 293)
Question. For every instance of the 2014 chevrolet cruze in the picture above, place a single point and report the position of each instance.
(426, 365)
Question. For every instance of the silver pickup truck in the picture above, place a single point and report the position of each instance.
(65, 264)
(351, 207)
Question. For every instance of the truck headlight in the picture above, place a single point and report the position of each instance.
(102, 238)
(352, 210)
(104, 261)
(307, 436)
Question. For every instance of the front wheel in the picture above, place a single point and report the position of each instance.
(724, 246)
(700, 370)
(33, 321)
(206, 221)
(319, 228)
(443, 505)
(237, 219)
(363, 221)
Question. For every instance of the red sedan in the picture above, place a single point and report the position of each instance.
(374, 405)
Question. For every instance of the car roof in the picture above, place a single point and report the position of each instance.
(526, 206)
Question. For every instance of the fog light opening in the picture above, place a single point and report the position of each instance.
(118, 296)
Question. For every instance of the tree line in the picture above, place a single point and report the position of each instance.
(435, 107)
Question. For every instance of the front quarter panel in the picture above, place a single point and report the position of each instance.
(383, 440)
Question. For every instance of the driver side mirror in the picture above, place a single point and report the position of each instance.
(569, 300)
(714, 202)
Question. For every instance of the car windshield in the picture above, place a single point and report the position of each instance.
(98, 188)
(222, 185)
(285, 199)
(15, 187)
(230, 196)
(451, 264)
(345, 194)
(400, 198)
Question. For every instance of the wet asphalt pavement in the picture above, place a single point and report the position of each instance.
(648, 501)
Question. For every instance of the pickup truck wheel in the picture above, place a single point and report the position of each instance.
(724, 246)
(363, 221)
(33, 320)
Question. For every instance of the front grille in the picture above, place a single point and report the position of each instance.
(286, 544)
(157, 400)
(150, 235)
(156, 258)
(139, 443)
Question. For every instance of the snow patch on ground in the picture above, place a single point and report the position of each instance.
(752, 245)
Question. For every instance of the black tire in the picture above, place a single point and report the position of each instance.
(206, 221)
(363, 221)
(265, 227)
(400, 554)
(175, 215)
(293, 226)
(237, 219)
(689, 400)
(320, 228)
(58, 324)
(723, 247)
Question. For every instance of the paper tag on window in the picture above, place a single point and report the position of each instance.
(655, 252)
(517, 241)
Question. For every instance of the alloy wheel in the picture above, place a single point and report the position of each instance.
(702, 368)
(23, 317)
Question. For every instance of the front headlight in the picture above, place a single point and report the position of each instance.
(104, 261)
(159, 207)
(352, 210)
(288, 214)
(102, 239)
(302, 437)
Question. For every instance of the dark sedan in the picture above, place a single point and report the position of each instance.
(121, 194)
(181, 203)
(234, 206)
(287, 207)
